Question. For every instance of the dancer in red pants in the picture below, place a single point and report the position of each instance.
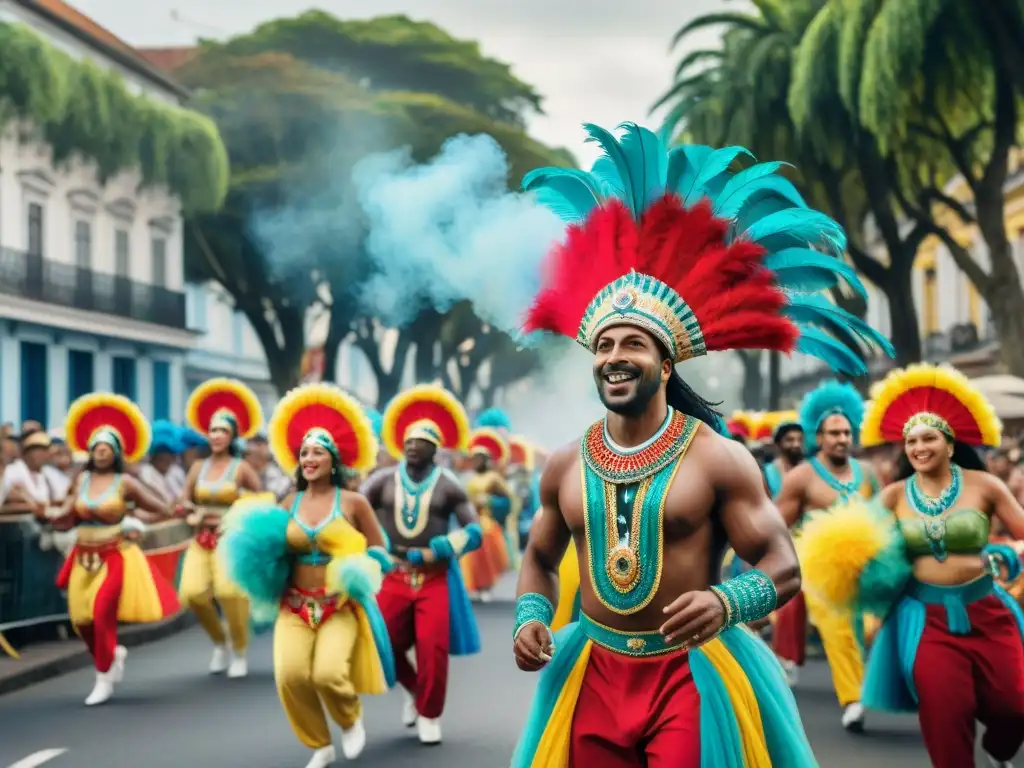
(109, 579)
(424, 599)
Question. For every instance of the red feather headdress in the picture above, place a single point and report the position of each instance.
(224, 401)
(106, 417)
(325, 415)
(490, 442)
(936, 396)
(701, 258)
(427, 412)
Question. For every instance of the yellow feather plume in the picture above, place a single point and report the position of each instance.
(429, 395)
(942, 378)
(835, 545)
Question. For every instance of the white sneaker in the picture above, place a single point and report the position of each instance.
(219, 662)
(429, 729)
(853, 717)
(322, 758)
(353, 740)
(998, 763)
(485, 596)
(409, 713)
(239, 667)
(117, 670)
(102, 690)
(792, 671)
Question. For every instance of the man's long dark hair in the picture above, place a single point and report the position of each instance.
(963, 455)
(682, 398)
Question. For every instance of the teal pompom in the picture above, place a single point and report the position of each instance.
(884, 578)
(254, 554)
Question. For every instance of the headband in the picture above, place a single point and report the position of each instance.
(932, 420)
(107, 436)
(321, 437)
(224, 419)
(425, 429)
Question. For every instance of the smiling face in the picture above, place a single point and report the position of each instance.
(835, 438)
(315, 462)
(928, 450)
(629, 369)
(102, 456)
(220, 439)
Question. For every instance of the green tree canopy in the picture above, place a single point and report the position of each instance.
(394, 53)
(82, 110)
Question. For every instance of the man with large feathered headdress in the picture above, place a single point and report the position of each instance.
(668, 256)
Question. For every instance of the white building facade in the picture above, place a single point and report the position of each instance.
(91, 275)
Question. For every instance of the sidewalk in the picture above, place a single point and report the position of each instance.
(42, 661)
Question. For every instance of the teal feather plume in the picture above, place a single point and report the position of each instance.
(254, 554)
(683, 166)
(817, 310)
(838, 357)
(797, 227)
(789, 263)
(570, 193)
(737, 189)
(648, 163)
(884, 578)
(831, 397)
(714, 166)
(614, 152)
(494, 418)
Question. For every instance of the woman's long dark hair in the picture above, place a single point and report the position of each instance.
(963, 455)
(337, 475)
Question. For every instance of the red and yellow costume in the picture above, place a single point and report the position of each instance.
(226, 404)
(330, 640)
(107, 578)
(426, 607)
(483, 567)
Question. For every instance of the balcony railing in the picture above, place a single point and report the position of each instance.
(34, 277)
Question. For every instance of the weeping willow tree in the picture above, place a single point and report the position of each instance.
(83, 111)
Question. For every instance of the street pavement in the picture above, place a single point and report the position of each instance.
(169, 713)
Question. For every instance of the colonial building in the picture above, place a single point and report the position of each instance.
(91, 280)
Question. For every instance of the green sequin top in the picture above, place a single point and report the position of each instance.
(966, 533)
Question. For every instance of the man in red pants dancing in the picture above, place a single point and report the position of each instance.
(423, 598)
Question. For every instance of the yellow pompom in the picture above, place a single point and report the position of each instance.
(834, 547)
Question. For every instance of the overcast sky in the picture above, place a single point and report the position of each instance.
(602, 61)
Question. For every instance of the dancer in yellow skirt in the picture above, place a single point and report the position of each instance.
(831, 416)
(318, 567)
(487, 489)
(222, 410)
(107, 578)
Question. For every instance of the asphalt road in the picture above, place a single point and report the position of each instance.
(169, 713)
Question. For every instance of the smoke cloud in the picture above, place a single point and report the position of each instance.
(449, 230)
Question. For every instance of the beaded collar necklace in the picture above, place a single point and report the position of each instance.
(618, 465)
(845, 490)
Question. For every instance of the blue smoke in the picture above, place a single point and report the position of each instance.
(450, 230)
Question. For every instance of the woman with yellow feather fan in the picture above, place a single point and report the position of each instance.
(316, 563)
(222, 410)
(108, 579)
(951, 647)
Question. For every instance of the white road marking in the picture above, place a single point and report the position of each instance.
(38, 758)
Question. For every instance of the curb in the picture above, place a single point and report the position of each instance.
(77, 657)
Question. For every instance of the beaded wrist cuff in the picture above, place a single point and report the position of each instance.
(749, 597)
(533, 606)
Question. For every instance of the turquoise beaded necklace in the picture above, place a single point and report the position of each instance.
(933, 509)
(846, 491)
(413, 493)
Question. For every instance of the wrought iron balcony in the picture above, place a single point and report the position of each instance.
(33, 277)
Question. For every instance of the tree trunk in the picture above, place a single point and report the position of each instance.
(753, 381)
(774, 381)
(906, 333)
(388, 381)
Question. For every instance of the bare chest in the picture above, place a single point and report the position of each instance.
(411, 517)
